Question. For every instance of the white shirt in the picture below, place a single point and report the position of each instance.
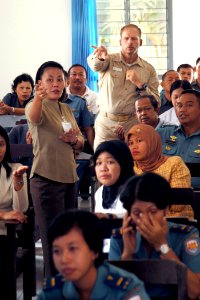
(91, 99)
(9, 198)
(170, 117)
(116, 208)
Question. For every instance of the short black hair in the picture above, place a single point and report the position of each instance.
(23, 77)
(193, 92)
(88, 223)
(77, 65)
(184, 84)
(148, 187)
(184, 66)
(165, 74)
(50, 64)
(151, 98)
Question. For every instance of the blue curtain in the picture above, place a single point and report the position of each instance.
(84, 34)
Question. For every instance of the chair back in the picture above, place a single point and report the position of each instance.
(164, 273)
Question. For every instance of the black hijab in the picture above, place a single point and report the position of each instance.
(120, 151)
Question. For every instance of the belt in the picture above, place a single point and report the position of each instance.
(115, 117)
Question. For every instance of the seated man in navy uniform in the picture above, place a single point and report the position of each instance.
(147, 234)
(184, 140)
(76, 242)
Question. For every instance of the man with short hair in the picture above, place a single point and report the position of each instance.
(184, 140)
(123, 76)
(76, 79)
(168, 78)
(147, 110)
(186, 72)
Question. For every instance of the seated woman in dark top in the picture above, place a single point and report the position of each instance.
(15, 102)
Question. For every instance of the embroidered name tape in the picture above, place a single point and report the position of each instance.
(117, 69)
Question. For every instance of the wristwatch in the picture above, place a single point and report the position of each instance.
(143, 88)
(164, 249)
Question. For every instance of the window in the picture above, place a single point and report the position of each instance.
(150, 16)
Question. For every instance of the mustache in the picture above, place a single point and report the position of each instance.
(77, 81)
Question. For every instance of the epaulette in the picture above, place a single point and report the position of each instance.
(54, 282)
(117, 232)
(181, 228)
(118, 281)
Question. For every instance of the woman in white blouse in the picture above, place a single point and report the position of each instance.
(13, 198)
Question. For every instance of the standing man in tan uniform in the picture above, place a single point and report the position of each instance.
(123, 76)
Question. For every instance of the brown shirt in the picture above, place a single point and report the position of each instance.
(116, 94)
(53, 158)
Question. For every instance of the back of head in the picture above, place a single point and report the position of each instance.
(148, 187)
(88, 223)
(184, 84)
(120, 151)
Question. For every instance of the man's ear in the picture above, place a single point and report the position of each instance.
(140, 42)
(120, 42)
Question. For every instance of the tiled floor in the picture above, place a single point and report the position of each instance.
(83, 204)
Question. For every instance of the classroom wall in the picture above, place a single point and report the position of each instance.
(32, 32)
(186, 39)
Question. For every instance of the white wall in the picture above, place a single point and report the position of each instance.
(32, 32)
(186, 31)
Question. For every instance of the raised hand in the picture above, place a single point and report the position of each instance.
(100, 52)
(40, 92)
(151, 230)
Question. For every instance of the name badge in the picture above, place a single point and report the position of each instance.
(117, 69)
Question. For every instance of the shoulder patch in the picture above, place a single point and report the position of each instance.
(118, 281)
(192, 246)
(54, 282)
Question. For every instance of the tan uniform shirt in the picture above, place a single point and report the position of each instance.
(53, 158)
(116, 94)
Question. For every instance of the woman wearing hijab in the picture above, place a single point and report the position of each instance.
(113, 166)
(146, 148)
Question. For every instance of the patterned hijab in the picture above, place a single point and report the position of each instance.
(154, 156)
